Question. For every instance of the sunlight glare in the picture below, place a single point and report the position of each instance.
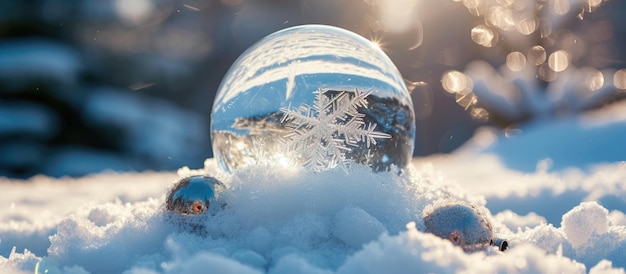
(240, 145)
(282, 160)
(397, 16)
(378, 42)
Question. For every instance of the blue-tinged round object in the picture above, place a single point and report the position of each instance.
(193, 194)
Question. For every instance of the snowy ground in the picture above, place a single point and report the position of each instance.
(565, 215)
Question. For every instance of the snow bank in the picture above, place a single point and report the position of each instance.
(278, 221)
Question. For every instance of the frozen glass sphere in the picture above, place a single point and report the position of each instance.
(193, 194)
(316, 97)
(463, 224)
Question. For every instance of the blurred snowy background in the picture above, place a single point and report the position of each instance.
(87, 86)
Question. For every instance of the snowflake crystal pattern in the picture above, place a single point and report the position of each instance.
(324, 133)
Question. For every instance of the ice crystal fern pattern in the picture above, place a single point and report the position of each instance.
(323, 134)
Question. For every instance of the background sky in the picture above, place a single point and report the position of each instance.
(129, 84)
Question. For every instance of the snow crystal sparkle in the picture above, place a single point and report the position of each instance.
(316, 97)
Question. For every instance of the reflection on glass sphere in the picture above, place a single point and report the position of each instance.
(192, 195)
(313, 96)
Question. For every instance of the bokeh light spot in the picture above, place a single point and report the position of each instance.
(479, 114)
(505, 3)
(456, 82)
(594, 80)
(545, 28)
(515, 61)
(619, 79)
(134, 11)
(423, 98)
(473, 4)
(484, 36)
(545, 73)
(594, 3)
(397, 16)
(500, 17)
(536, 55)
(466, 100)
(526, 25)
(558, 60)
(419, 35)
(559, 7)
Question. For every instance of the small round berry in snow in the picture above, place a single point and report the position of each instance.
(463, 224)
(193, 194)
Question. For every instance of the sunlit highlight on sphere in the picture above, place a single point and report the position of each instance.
(619, 79)
(558, 60)
(515, 61)
(293, 72)
(484, 36)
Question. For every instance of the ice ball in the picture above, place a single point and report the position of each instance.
(316, 97)
(193, 194)
(463, 224)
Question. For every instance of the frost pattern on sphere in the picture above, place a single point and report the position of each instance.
(315, 97)
(325, 131)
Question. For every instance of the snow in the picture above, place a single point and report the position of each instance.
(568, 220)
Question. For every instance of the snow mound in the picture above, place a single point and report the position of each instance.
(584, 222)
(280, 221)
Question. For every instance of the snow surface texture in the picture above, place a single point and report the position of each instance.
(282, 221)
